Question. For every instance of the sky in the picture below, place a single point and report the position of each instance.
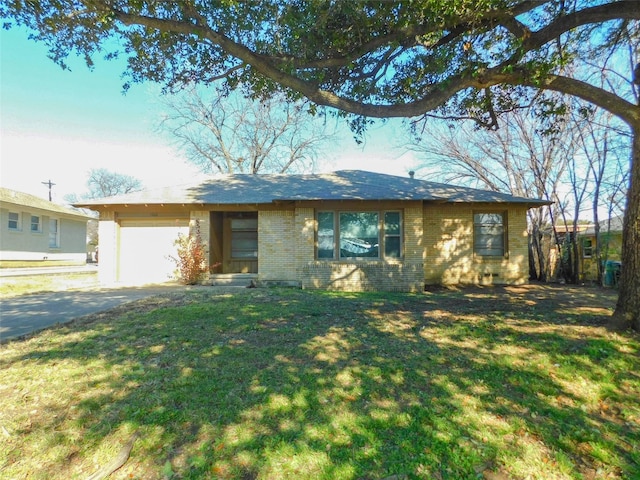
(56, 125)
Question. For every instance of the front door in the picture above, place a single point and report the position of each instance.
(240, 242)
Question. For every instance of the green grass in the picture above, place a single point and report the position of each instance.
(270, 384)
(26, 284)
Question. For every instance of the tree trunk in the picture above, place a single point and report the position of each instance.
(533, 271)
(538, 261)
(597, 251)
(627, 313)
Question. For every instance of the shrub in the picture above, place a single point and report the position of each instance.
(192, 256)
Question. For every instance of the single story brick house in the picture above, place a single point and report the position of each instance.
(346, 230)
(37, 232)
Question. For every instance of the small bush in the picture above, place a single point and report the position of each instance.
(192, 256)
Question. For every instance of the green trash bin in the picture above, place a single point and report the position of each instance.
(612, 269)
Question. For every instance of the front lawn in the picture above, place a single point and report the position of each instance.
(26, 284)
(516, 382)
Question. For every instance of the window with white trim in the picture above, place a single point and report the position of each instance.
(36, 227)
(489, 234)
(587, 247)
(14, 221)
(359, 234)
(54, 233)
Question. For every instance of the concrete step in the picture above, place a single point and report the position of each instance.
(232, 279)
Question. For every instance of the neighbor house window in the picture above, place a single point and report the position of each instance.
(54, 233)
(587, 248)
(14, 221)
(35, 224)
(489, 234)
(350, 235)
(244, 238)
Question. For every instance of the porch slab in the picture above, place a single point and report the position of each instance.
(232, 279)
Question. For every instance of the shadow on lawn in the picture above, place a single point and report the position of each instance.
(290, 384)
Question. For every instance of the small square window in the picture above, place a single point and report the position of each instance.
(14, 221)
(35, 224)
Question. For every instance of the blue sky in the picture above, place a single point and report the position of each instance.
(57, 125)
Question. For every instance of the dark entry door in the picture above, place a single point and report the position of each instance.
(240, 242)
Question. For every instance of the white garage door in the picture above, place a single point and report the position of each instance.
(145, 247)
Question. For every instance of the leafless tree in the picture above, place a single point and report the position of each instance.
(603, 146)
(515, 158)
(105, 183)
(232, 133)
(102, 183)
(579, 179)
(582, 159)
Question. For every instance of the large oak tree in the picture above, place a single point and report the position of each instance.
(467, 58)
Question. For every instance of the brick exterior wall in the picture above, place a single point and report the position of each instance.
(437, 247)
(277, 238)
(286, 252)
(449, 247)
(305, 223)
(363, 276)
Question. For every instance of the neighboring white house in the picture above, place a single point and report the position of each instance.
(36, 232)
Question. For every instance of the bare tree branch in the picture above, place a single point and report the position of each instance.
(234, 134)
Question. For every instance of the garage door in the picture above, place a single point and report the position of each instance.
(145, 247)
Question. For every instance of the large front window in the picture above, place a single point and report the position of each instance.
(359, 235)
(489, 234)
(351, 235)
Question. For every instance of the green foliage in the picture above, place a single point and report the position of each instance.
(191, 259)
(394, 54)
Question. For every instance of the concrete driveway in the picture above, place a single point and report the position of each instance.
(29, 313)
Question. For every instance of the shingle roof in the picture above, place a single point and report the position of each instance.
(340, 185)
(8, 196)
(615, 224)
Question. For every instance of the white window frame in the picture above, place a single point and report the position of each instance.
(16, 220)
(37, 224)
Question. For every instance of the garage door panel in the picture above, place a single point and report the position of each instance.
(146, 248)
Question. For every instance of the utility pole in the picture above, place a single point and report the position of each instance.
(49, 184)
